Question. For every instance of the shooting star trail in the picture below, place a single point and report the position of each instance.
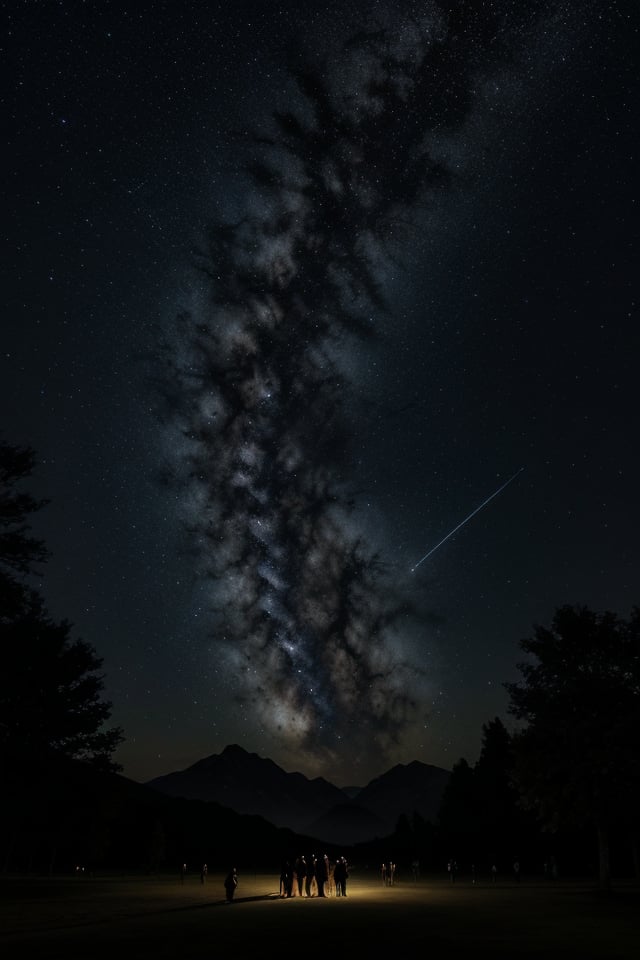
(466, 519)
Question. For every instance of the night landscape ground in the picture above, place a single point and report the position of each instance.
(160, 917)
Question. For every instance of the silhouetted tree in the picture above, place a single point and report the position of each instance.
(50, 691)
(578, 757)
(20, 553)
(50, 688)
(481, 816)
(504, 827)
(457, 818)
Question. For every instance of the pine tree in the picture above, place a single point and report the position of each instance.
(50, 685)
(578, 756)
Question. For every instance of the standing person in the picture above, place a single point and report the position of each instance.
(322, 874)
(392, 872)
(383, 873)
(203, 873)
(230, 884)
(291, 876)
(415, 869)
(494, 873)
(286, 879)
(344, 875)
(330, 888)
(516, 871)
(301, 872)
(183, 870)
(338, 876)
(310, 875)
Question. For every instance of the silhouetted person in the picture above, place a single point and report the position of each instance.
(301, 872)
(383, 874)
(516, 871)
(203, 873)
(340, 875)
(345, 876)
(322, 874)
(330, 886)
(286, 879)
(183, 870)
(494, 873)
(230, 883)
(337, 877)
(310, 874)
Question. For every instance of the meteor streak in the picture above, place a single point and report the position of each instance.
(466, 519)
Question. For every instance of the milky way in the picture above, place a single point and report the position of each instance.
(307, 625)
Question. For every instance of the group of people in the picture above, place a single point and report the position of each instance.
(314, 877)
(318, 877)
(306, 876)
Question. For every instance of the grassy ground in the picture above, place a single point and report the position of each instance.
(120, 917)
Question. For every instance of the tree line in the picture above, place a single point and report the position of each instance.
(566, 779)
(565, 785)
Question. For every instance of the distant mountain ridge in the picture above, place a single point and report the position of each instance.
(250, 784)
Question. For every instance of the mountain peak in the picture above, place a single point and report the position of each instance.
(254, 785)
(234, 750)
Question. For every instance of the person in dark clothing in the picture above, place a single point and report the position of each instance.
(311, 874)
(286, 879)
(340, 875)
(301, 872)
(230, 883)
(322, 874)
(345, 877)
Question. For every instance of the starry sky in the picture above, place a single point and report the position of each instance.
(290, 291)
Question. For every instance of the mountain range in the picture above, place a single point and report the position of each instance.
(249, 784)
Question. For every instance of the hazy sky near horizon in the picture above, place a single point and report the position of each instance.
(268, 366)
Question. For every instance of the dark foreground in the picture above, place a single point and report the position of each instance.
(119, 918)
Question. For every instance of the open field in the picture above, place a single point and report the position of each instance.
(122, 917)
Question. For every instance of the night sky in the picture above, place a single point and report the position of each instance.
(291, 290)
